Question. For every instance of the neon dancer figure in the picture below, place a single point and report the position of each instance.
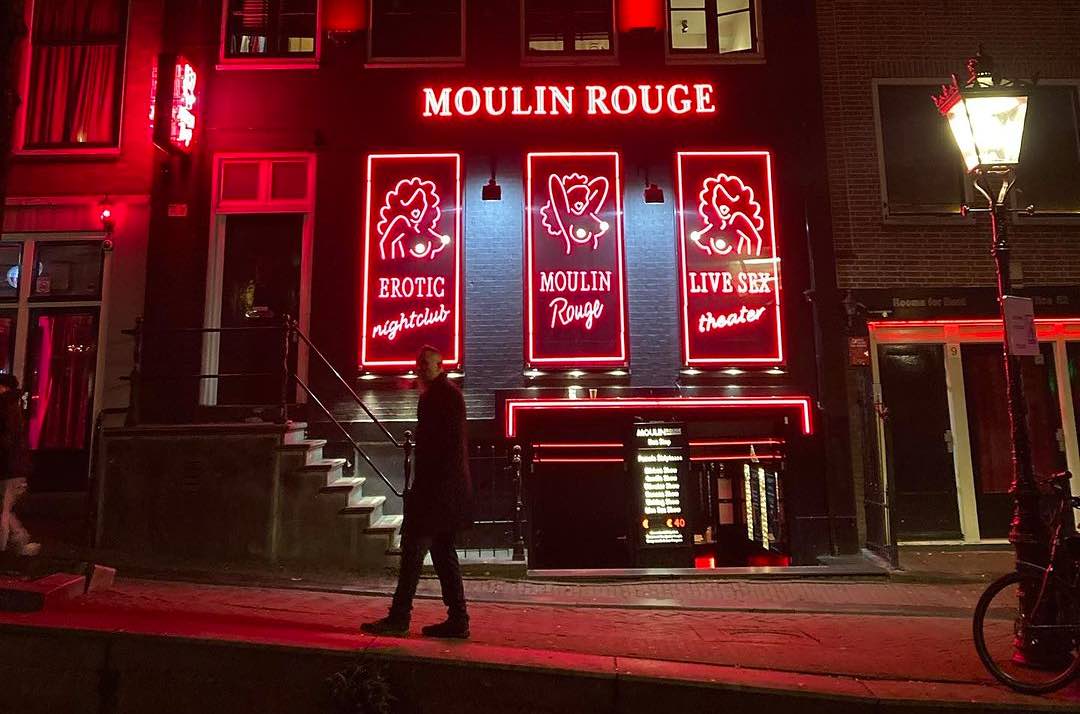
(571, 212)
(408, 221)
(731, 215)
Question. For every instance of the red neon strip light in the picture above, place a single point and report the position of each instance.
(515, 405)
(743, 457)
(753, 442)
(583, 460)
(601, 445)
(988, 322)
(618, 359)
(449, 360)
(690, 358)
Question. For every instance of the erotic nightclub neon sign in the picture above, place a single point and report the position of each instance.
(412, 259)
(182, 121)
(729, 265)
(575, 285)
(567, 100)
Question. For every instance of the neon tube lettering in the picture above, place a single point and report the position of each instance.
(391, 328)
(437, 106)
(563, 97)
(703, 95)
(575, 281)
(412, 287)
(623, 99)
(459, 104)
(516, 91)
(679, 106)
(565, 314)
(645, 91)
(489, 103)
(709, 322)
(596, 96)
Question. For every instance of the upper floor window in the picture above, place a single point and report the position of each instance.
(270, 28)
(712, 27)
(558, 28)
(923, 173)
(417, 30)
(76, 74)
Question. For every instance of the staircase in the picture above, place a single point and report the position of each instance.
(325, 518)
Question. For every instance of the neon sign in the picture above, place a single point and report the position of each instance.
(575, 286)
(412, 260)
(182, 122)
(544, 100)
(729, 266)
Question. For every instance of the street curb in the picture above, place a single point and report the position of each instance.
(146, 671)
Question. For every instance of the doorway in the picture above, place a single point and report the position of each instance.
(919, 441)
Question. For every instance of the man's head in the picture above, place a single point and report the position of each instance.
(428, 364)
(8, 383)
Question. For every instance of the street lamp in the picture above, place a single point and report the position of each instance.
(986, 115)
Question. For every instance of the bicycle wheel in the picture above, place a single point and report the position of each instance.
(1035, 653)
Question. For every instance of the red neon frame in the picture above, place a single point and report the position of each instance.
(618, 360)
(689, 359)
(517, 405)
(740, 457)
(452, 360)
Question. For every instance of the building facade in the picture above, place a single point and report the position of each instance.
(612, 218)
(930, 429)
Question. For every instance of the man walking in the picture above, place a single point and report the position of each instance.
(14, 467)
(437, 506)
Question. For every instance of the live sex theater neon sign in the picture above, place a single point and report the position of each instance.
(549, 100)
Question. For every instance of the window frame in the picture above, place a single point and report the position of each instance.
(568, 57)
(393, 62)
(711, 55)
(1053, 218)
(25, 56)
(261, 62)
(879, 139)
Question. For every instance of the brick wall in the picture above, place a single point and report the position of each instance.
(863, 40)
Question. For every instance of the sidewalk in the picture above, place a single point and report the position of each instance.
(874, 643)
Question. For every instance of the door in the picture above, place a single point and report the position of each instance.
(988, 421)
(260, 286)
(919, 441)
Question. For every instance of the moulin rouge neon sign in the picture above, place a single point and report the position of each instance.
(575, 286)
(729, 265)
(547, 100)
(412, 260)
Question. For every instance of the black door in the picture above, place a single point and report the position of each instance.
(260, 285)
(919, 441)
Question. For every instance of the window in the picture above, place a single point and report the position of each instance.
(76, 66)
(416, 30)
(560, 28)
(270, 29)
(712, 27)
(923, 173)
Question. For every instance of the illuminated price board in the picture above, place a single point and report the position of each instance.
(575, 289)
(660, 469)
(729, 268)
(412, 260)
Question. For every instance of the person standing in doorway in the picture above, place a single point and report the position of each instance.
(14, 468)
(437, 506)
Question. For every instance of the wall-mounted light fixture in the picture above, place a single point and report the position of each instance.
(105, 215)
(492, 191)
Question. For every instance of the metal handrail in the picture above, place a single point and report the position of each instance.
(356, 446)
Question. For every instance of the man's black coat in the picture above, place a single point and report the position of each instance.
(440, 500)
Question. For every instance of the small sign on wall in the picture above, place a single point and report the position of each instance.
(1020, 333)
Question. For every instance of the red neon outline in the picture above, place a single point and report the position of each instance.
(803, 403)
(688, 359)
(601, 445)
(988, 322)
(743, 457)
(748, 442)
(530, 347)
(580, 460)
(455, 361)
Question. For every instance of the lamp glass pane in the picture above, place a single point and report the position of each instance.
(997, 128)
(965, 140)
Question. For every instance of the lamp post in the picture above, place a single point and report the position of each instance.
(986, 115)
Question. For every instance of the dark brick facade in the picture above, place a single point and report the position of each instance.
(863, 40)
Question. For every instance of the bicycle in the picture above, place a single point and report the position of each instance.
(1036, 651)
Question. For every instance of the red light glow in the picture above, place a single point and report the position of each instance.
(412, 260)
(182, 117)
(640, 15)
(575, 289)
(729, 265)
(516, 406)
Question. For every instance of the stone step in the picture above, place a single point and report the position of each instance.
(368, 507)
(350, 487)
(386, 525)
(330, 469)
(305, 446)
(295, 431)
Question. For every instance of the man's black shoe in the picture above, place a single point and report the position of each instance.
(386, 626)
(450, 629)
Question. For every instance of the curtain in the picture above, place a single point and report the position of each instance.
(75, 72)
(66, 357)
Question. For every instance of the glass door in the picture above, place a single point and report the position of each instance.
(988, 422)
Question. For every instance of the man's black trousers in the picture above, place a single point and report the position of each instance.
(444, 558)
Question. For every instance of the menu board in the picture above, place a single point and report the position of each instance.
(660, 470)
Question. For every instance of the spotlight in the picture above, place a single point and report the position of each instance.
(654, 194)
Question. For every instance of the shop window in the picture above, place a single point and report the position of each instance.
(416, 31)
(76, 74)
(557, 28)
(703, 28)
(923, 173)
(270, 29)
(67, 271)
(62, 357)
